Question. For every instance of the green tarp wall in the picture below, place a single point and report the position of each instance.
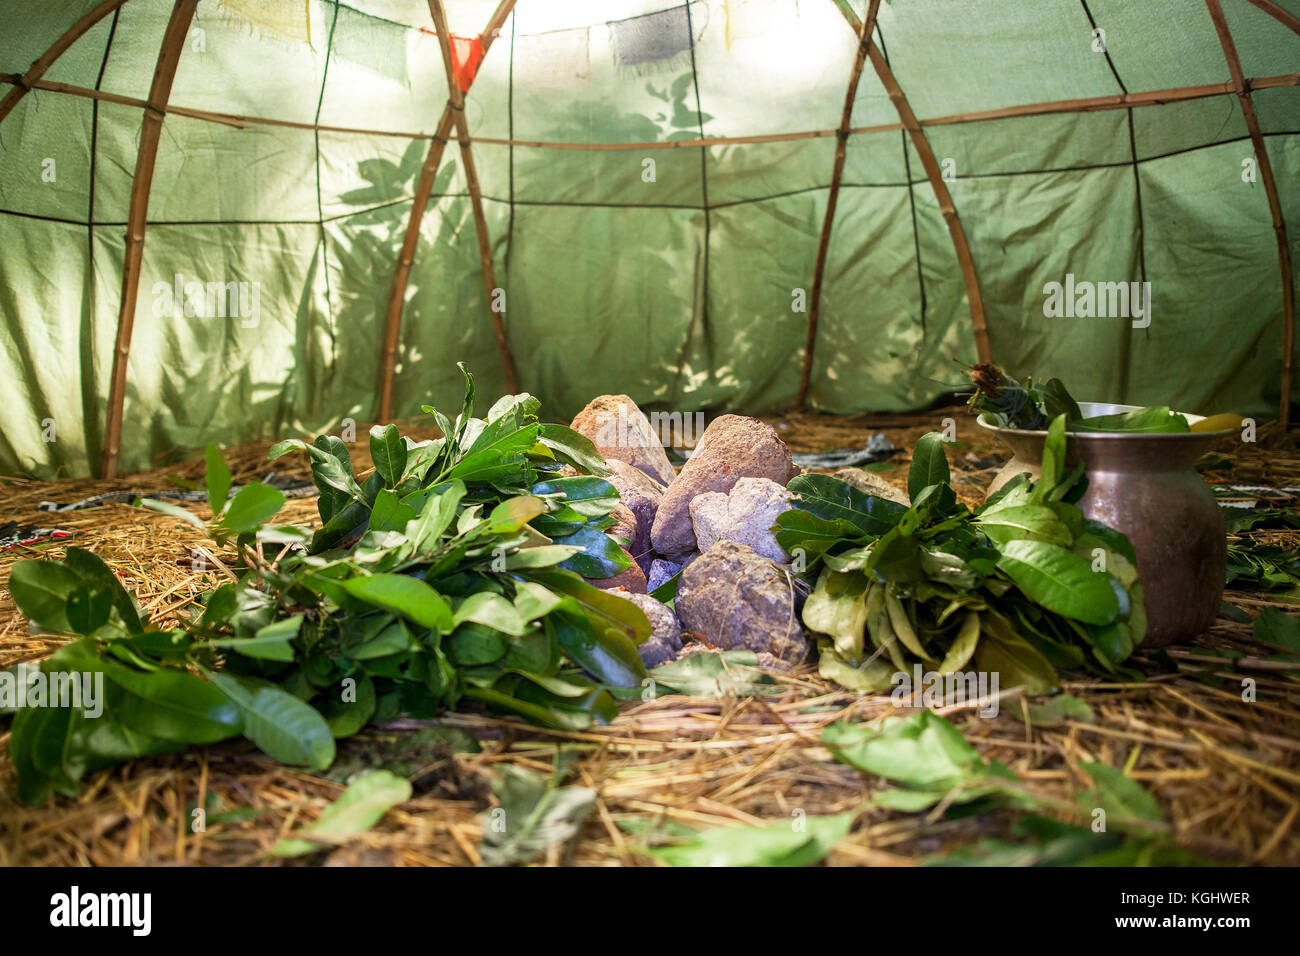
(679, 292)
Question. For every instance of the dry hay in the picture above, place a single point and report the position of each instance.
(1225, 773)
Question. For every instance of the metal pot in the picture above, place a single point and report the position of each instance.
(1146, 486)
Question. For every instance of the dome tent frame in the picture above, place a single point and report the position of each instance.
(157, 106)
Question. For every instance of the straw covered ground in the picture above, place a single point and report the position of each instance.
(1225, 773)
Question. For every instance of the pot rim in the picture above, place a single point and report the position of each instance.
(1112, 407)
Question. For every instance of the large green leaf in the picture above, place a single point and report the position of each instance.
(361, 806)
(587, 495)
(1060, 581)
(1029, 522)
(512, 514)
(218, 479)
(253, 506)
(574, 448)
(271, 642)
(605, 653)
(831, 499)
(798, 529)
(283, 726)
(929, 465)
(532, 816)
(491, 610)
(436, 516)
(346, 716)
(1014, 659)
(600, 557)
(404, 595)
(800, 841)
(870, 676)
(504, 461)
(172, 704)
(715, 674)
(388, 452)
(1154, 419)
(838, 607)
(1122, 797)
(1276, 627)
(91, 569)
(923, 751)
(41, 590)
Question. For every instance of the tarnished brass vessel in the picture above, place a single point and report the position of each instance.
(1146, 486)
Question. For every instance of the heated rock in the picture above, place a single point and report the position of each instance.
(625, 524)
(745, 516)
(734, 598)
(660, 572)
(731, 448)
(621, 431)
(641, 494)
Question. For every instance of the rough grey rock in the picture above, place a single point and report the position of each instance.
(665, 638)
(872, 484)
(745, 516)
(708, 518)
(642, 495)
(733, 597)
(621, 431)
(731, 448)
(624, 525)
(660, 571)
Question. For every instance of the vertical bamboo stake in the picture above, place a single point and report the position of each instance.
(396, 297)
(46, 60)
(1274, 206)
(457, 98)
(921, 143)
(935, 175)
(832, 197)
(169, 55)
(423, 190)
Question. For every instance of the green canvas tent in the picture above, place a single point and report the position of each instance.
(223, 219)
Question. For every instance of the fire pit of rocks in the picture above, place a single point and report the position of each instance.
(702, 538)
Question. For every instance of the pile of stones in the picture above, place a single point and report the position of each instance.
(712, 522)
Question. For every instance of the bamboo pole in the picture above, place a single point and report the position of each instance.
(27, 81)
(1090, 104)
(457, 99)
(396, 297)
(169, 55)
(832, 198)
(922, 145)
(423, 190)
(1274, 206)
(1277, 13)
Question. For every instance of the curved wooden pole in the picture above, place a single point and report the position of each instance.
(169, 55)
(457, 103)
(42, 63)
(921, 143)
(864, 30)
(1274, 206)
(1278, 14)
(1114, 101)
(423, 190)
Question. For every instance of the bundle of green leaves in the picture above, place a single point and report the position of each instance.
(453, 572)
(1022, 586)
(1007, 403)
